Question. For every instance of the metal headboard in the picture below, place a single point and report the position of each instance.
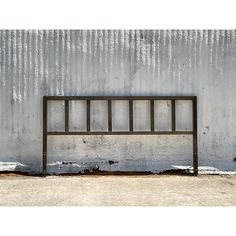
(131, 131)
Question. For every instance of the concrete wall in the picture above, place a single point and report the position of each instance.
(126, 62)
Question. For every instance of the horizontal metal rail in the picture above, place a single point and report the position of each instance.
(131, 130)
(119, 97)
(120, 133)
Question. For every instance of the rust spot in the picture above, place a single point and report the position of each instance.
(96, 171)
(66, 163)
(87, 171)
(175, 172)
(112, 162)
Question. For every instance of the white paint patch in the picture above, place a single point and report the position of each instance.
(206, 170)
(10, 166)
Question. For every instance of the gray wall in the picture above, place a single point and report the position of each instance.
(111, 62)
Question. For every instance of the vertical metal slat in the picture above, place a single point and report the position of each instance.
(131, 115)
(152, 115)
(173, 115)
(66, 115)
(88, 115)
(109, 116)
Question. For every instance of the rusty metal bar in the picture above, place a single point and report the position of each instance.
(195, 145)
(173, 122)
(88, 115)
(109, 116)
(45, 121)
(121, 133)
(66, 115)
(119, 97)
(131, 118)
(152, 115)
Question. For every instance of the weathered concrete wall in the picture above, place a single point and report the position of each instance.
(125, 62)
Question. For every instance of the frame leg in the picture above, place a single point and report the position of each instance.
(195, 148)
(45, 109)
(44, 172)
(195, 156)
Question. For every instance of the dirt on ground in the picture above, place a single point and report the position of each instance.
(136, 190)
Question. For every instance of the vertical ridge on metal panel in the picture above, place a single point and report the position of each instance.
(195, 147)
(44, 171)
(131, 128)
(88, 115)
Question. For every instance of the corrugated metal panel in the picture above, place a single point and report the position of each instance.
(117, 62)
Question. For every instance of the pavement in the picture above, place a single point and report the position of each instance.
(147, 190)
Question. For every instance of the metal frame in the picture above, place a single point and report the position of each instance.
(109, 99)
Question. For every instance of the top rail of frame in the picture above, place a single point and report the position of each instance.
(119, 97)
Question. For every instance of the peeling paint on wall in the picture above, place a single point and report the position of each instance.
(34, 63)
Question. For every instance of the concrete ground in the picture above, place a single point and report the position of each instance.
(151, 190)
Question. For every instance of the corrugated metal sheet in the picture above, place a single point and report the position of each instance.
(117, 62)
